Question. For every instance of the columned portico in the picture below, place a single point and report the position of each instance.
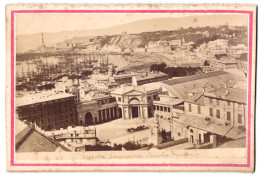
(135, 101)
(134, 111)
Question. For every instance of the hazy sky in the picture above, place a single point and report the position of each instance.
(37, 23)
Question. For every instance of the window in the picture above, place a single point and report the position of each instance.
(161, 108)
(149, 98)
(179, 134)
(210, 111)
(190, 107)
(218, 113)
(239, 118)
(217, 102)
(228, 103)
(199, 110)
(165, 109)
(154, 97)
(119, 98)
(240, 106)
(228, 116)
(210, 101)
(169, 109)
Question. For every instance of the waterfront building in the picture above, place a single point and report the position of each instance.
(64, 46)
(122, 78)
(48, 110)
(149, 77)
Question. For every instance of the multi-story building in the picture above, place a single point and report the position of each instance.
(122, 79)
(212, 116)
(163, 108)
(176, 92)
(48, 110)
(223, 63)
(236, 51)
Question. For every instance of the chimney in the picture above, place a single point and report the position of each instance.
(226, 93)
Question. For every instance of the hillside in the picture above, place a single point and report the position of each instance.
(146, 28)
(126, 41)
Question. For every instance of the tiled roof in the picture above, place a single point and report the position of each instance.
(151, 76)
(200, 123)
(41, 97)
(123, 76)
(220, 129)
(236, 133)
(181, 87)
(196, 99)
(231, 94)
(194, 77)
(30, 140)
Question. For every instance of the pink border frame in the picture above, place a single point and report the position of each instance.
(250, 13)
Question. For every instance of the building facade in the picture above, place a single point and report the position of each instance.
(212, 117)
(122, 79)
(49, 111)
(102, 108)
(135, 102)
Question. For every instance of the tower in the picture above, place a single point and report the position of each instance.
(43, 45)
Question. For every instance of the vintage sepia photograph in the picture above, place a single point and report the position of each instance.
(112, 86)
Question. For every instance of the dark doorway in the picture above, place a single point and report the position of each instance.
(191, 139)
(134, 112)
(120, 113)
(88, 119)
(207, 138)
(150, 112)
